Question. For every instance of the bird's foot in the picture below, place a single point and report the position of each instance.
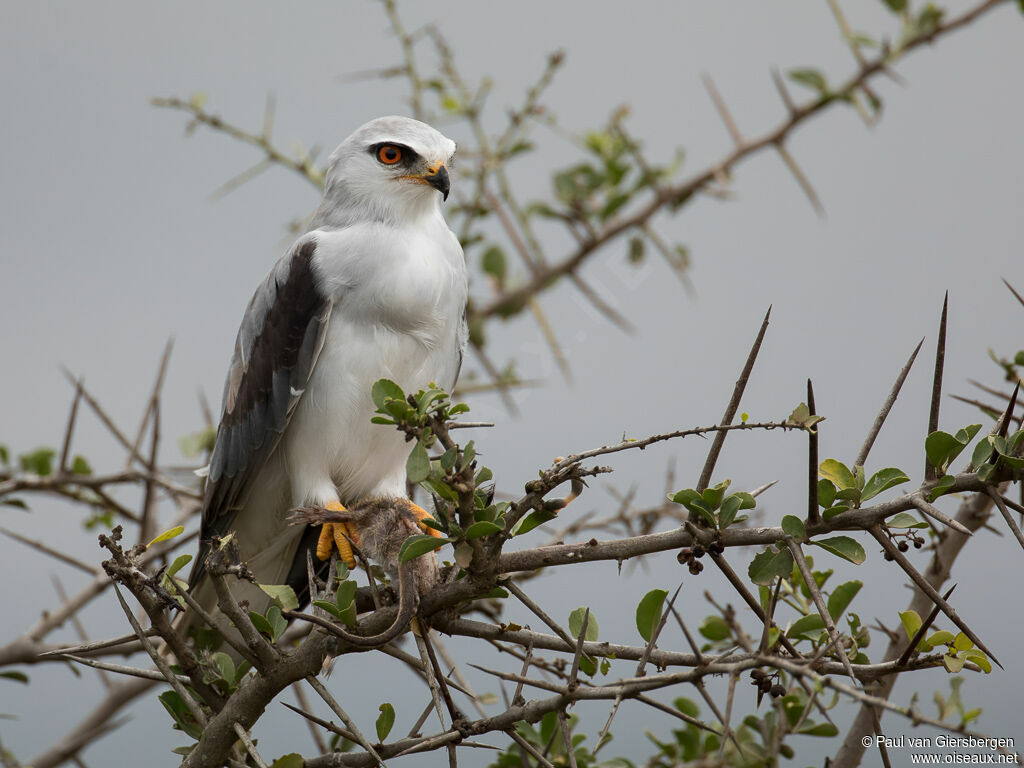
(340, 534)
(421, 514)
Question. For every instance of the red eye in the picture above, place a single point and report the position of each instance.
(389, 154)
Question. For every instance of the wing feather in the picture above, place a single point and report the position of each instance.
(275, 352)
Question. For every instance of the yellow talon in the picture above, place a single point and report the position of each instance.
(334, 534)
(420, 514)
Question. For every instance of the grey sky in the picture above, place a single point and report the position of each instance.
(110, 244)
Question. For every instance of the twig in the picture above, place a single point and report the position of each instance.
(928, 589)
(732, 407)
(819, 603)
(243, 735)
(876, 427)
(324, 694)
(940, 357)
(922, 630)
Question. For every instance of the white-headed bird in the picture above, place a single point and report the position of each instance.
(375, 289)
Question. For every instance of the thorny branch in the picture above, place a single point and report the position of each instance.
(225, 715)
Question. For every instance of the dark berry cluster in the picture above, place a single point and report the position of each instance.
(764, 683)
(690, 556)
(905, 540)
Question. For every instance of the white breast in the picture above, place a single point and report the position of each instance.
(399, 298)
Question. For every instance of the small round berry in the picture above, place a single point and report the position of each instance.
(903, 546)
(778, 690)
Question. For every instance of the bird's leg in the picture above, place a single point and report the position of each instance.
(337, 534)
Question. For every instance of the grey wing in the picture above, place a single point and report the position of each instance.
(276, 350)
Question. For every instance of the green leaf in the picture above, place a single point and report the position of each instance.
(183, 719)
(636, 246)
(942, 448)
(953, 664)
(882, 480)
(291, 760)
(385, 721)
(896, 6)
(483, 528)
(648, 612)
(812, 78)
(982, 452)
(576, 624)
(262, 625)
(826, 493)
(809, 625)
(928, 20)
(714, 628)
(179, 562)
(193, 444)
(713, 496)
(841, 598)
(588, 665)
(417, 467)
(727, 512)
(384, 390)
(942, 487)
(80, 466)
(345, 599)
(166, 535)
(904, 520)
(614, 203)
(39, 461)
(278, 622)
(844, 547)
(979, 658)
(328, 606)
(532, 520)
(695, 502)
(282, 594)
(15, 675)
(420, 544)
(468, 454)
(962, 642)
(794, 527)
(769, 565)
(225, 666)
(838, 473)
(441, 489)
(448, 459)
(937, 446)
(911, 622)
(942, 637)
(802, 417)
(493, 263)
(818, 729)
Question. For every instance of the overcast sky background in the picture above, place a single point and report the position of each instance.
(111, 244)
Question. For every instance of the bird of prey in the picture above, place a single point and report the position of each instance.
(375, 289)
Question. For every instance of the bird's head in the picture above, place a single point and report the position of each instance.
(391, 168)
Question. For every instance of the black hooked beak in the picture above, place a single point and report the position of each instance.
(438, 178)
